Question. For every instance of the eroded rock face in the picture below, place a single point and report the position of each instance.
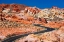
(32, 10)
(13, 7)
(18, 8)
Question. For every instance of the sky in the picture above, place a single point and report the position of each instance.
(37, 3)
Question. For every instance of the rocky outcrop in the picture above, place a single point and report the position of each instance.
(12, 7)
(32, 10)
